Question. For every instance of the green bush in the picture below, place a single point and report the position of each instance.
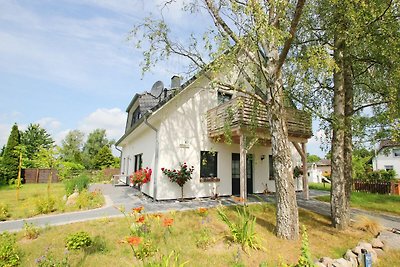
(81, 182)
(45, 205)
(88, 199)
(382, 175)
(68, 170)
(78, 241)
(9, 254)
(305, 259)
(4, 214)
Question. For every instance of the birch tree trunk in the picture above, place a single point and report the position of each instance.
(338, 197)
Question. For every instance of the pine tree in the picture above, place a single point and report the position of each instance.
(103, 158)
(10, 160)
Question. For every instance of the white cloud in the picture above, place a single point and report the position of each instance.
(112, 120)
(5, 130)
(49, 123)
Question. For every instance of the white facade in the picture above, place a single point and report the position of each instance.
(387, 159)
(177, 133)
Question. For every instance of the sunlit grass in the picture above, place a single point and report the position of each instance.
(324, 240)
(373, 202)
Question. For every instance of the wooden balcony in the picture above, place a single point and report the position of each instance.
(247, 115)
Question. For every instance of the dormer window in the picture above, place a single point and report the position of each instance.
(136, 116)
(223, 97)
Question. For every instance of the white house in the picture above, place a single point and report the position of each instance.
(187, 123)
(318, 170)
(387, 157)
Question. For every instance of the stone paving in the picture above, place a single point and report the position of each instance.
(128, 198)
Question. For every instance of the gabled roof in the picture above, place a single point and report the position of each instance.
(387, 143)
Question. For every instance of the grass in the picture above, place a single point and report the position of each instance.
(320, 186)
(182, 238)
(31, 194)
(374, 202)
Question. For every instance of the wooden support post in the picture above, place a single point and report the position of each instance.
(305, 171)
(243, 172)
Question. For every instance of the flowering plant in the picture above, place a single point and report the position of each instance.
(179, 176)
(141, 177)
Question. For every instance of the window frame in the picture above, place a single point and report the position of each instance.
(135, 116)
(207, 155)
(138, 161)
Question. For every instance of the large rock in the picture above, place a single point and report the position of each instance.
(319, 264)
(341, 263)
(351, 257)
(72, 199)
(377, 243)
(326, 261)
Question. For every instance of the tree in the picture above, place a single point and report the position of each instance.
(10, 160)
(71, 147)
(95, 142)
(251, 40)
(104, 158)
(312, 158)
(34, 138)
(363, 36)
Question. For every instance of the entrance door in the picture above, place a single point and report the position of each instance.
(236, 173)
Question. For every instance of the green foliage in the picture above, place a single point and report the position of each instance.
(88, 199)
(49, 260)
(95, 142)
(381, 175)
(145, 249)
(204, 238)
(172, 260)
(45, 205)
(44, 158)
(10, 160)
(9, 254)
(35, 138)
(67, 170)
(312, 158)
(4, 214)
(242, 231)
(31, 231)
(71, 147)
(104, 158)
(79, 240)
(80, 183)
(305, 259)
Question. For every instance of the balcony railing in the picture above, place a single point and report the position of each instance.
(245, 113)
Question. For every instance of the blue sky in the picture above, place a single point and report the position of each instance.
(68, 64)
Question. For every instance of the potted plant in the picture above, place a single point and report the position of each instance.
(179, 176)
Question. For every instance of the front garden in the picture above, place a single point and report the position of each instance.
(194, 238)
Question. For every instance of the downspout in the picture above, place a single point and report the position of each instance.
(155, 156)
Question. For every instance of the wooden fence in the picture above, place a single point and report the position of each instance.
(35, 176)
(380, 187)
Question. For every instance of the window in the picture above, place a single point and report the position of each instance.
(138, 162)
(223, 97)
(136, 116)
(396, 152)
(208, 164)
(271, 167)
(388, 167)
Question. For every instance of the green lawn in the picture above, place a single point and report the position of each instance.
(320, 186)
(373, 202)
(200, 240)
(33, 200)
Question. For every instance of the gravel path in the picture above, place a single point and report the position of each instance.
(127, 197)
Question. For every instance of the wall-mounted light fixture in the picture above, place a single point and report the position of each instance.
(262, 157)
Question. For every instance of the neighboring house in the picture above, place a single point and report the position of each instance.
(387, 157)
(192, 123)
(317, 171)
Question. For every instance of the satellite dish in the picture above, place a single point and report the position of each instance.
(157, 88)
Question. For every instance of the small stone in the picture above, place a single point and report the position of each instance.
(341, 263)
(326, 261)
(377, 243)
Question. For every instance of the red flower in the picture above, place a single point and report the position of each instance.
(140, 220)
(134, 240)
(138, 209)
(168, 222)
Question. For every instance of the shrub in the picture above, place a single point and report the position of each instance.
(81, 182)
(9, 254)
(68, 170)
(88, 199)
(4, 214)
(305, 259)
(45, 205)
(243, 231)
(381, 175)
(31, 231)
(78, 241)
